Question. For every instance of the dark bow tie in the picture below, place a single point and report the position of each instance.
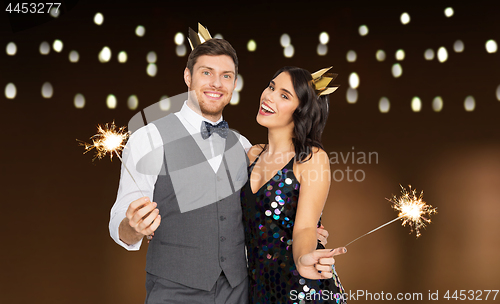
(207, 129)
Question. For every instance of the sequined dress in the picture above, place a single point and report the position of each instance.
(268, 217)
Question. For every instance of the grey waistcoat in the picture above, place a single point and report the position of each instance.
(192, 247)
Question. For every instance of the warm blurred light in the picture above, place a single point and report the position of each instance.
(179, 38)
(104, 54)
(351, 56)
(140, 30)
(405, 18)
(10, 91)
(354, 80)
(74, 56)
(469, 104)
(397, 70)
(218, 36)
(57, 45)
(322, 49)
(180, 50)
(429, 54)
(133, 102)
(11, 49)
(47, 90)
(165, 103)
(235, 99)
(251, 45)
(384, 105)
(380, 55)
(111, 101)
(442, 54)
(416, 104)
(79, 101)
(289, 51)
(448, 12)
(352, 95)
(152, 69)
(491, 46)
(239, 83)
(44, 48)
(54, 12)
(437, 104)
(363, 30)
(458, 46)
(498, 93)
(400, 55)
(285, 40)
(151, 57)
(324, 38)
(98, 18)
(122, 57)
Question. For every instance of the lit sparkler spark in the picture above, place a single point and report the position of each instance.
(108, 139)
(412, 209)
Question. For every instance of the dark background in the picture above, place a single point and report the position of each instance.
(56, 245)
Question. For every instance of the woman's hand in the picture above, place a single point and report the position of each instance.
(322, 235)
(318, 264)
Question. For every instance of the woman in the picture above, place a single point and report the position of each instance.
(288, 184)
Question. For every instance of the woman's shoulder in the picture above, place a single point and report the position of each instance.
(255, 151)
(317, 159)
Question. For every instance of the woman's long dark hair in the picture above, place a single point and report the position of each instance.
(310, 117)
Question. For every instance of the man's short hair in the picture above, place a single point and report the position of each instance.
(212, 47)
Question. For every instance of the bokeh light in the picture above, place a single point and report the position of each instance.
(442, 54)
(57, 45)
(111, 101)
(458, 46)
(98, 18)
(384, 105)
(251, 45)
(44, 48)
(380, 55)
(322, 49)
(400, 55)
(352, 95)
(405, 18)
(179, 38)
(363, 30)
(79, 101)
(491, 46)
(397, 70)
(437, 104)
(140, 31)
(47, 90)
(416, 104)
(324, 38)
(285, 40)
(354, 80)
(469, 104)
(11, 49)
(74, 56)
(429, 54)
(133, 102)
(289, 51)
(351, 56)
(122, 57)
(448, 12)
(10, 91)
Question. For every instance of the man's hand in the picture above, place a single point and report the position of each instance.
(142, 218)
(322, 235)
(321, 260)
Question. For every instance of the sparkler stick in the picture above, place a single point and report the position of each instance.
(411, 209)
(110, 140)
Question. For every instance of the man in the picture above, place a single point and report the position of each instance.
(197, 254)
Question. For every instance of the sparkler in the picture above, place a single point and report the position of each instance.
(108, 140)
(412, 210)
